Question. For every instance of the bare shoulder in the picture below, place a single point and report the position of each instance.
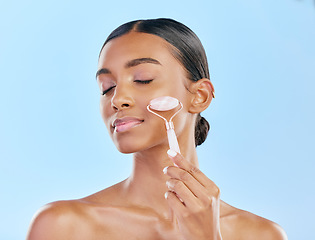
(75, 219)
(255, 227)
(57, 220)
(246, 226)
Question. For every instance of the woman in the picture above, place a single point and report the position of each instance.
(166, 195)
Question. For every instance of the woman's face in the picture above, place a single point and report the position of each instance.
(134, 69)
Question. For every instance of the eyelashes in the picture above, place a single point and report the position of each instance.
(107, 90)
(143, 81)
(136, 81)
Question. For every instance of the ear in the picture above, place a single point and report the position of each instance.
(203, 92)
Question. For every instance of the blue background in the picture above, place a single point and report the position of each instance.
(260, 151)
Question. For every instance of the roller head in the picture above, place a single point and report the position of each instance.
(165, 103)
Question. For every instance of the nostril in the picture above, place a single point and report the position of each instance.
(121, 106)
(121, 102)
(125, 105)
(114, 107)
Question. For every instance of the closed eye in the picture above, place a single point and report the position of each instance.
(107, 90)
(143, 81)
(137, 81)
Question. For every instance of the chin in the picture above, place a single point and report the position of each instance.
(126, 150)
(139, 139)
(132, 145)
(127, 147)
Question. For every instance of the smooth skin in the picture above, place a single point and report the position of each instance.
(166, 195)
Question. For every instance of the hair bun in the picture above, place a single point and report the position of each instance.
(201, 130)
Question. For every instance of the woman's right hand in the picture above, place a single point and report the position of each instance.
(194, 200)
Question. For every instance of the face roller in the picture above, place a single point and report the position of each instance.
(162, 104)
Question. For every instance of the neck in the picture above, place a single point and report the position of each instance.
(147, 184)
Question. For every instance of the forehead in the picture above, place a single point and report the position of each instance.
(135, 45)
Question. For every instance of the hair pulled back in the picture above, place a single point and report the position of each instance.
(187, 49)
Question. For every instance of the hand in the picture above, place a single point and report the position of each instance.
(194, 199)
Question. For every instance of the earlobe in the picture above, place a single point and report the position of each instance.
(203, 92)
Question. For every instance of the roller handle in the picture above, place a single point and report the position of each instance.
(172, 140)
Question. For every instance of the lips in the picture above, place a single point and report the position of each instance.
(126, 123)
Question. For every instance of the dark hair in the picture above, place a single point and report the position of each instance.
(187, 49)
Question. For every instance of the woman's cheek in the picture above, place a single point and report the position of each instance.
(105, 110)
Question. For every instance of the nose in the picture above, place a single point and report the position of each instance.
(122, 98)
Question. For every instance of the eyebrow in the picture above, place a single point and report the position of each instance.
(102, 71)
(137, 61)
(129, 64)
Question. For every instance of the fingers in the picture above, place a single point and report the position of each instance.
(175, 204)
(186, 186)
(192, 170)
(193, 198)
(182, 192)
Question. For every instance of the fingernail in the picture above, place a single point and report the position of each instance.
(171, 153)
(165, 195)
(165, 170)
